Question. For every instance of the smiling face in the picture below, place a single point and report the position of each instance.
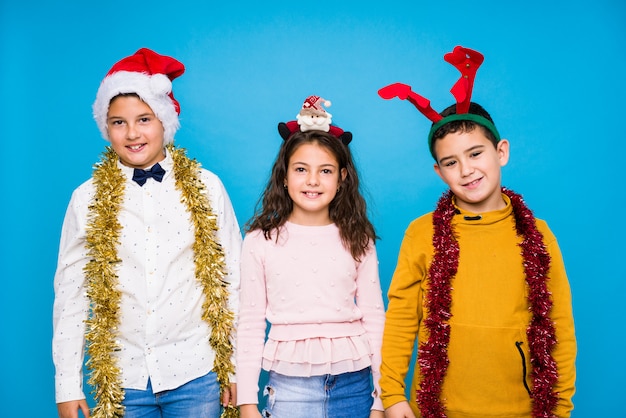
(135, 132)
(313, 176)
(471, 166)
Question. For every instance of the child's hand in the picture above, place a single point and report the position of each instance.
(399, 410)
(70, 409)
(377, 414)
(229, 396)
(249, 411)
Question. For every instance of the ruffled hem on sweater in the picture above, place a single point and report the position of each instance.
(317, 356)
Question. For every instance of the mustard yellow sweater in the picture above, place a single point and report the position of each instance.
(490, 314)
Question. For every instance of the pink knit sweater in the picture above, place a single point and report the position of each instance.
(325, 309)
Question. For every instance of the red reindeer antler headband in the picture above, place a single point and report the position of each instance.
(467, 62)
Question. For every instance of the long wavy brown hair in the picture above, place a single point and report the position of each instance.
(347, 210)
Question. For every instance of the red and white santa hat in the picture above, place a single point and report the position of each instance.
(150, 76)
(314, 105)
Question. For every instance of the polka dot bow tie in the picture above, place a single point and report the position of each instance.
(141, 176)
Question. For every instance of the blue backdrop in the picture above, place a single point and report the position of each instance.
(552, 80)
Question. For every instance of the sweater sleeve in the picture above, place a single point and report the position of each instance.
(229, 237)
(369, 299)
(252, 324)
(564, 352)
(403, 315)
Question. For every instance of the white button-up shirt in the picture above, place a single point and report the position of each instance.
(161, 334)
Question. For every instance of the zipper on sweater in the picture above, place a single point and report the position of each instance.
(518, 344)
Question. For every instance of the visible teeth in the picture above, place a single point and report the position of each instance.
(135, 147)
(311, 194)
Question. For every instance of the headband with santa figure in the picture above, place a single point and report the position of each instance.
(467, 62)
(313, 117)
(149, 75)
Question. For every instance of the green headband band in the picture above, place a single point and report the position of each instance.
(463, 116)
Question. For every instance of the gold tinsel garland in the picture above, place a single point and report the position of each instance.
(103, 232)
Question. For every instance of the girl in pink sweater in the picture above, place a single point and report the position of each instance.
(309, 268)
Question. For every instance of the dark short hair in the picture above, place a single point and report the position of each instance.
(461, 124)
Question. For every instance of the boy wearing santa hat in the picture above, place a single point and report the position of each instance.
(148, 266)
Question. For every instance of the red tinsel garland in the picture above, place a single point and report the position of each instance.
(433, 354)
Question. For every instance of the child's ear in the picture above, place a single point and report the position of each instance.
(438, 171)
(502, 149)
(344, 174)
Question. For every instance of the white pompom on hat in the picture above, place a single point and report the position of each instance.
(149, 75)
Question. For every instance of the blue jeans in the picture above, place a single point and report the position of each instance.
(199, 398)
(348, 395)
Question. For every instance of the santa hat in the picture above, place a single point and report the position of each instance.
(149, 75)
(314, 105)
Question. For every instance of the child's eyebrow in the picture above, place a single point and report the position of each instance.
(308, 165)
(143, 115)
(443, 159)
(474, 148)
(470, 149)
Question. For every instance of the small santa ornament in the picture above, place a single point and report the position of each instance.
(314, 117)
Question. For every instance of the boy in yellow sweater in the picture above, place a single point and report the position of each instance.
(480, 284)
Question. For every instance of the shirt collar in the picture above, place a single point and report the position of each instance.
(167, 163)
